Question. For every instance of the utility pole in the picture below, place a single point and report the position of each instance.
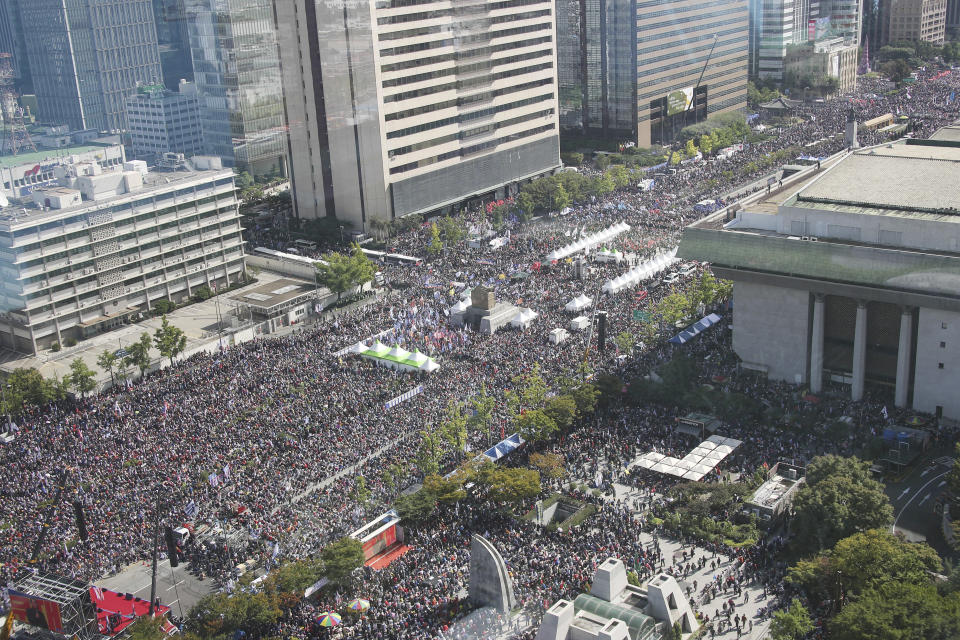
(156, 541)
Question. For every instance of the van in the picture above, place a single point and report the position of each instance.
(687, 269)
(670, 278)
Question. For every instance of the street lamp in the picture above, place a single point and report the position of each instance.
(6, 407)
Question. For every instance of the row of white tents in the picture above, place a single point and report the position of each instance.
(396, 357)
(579, 303)
(640, 272)
(591, 241)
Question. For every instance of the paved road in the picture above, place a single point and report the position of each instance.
(914, 498)
(180, 591)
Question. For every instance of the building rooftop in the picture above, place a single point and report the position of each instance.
(9, 161)
(896, 177)
(267, 299)
(950, 133)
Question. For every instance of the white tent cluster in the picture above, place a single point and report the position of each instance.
(579, 303)
(608, 255)
(693, 466)
(523, 318)
(396, 357)
(641, 272)
(591, 241)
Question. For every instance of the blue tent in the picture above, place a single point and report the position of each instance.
(695, 329)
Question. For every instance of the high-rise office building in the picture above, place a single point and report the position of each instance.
(912, 20)
(173, 37)
(642, 70)
(836, 18)
(775, 25)
(162, 121)
(396, 108)
(236, 67)
(953, 17)
(87, 56)
(12, 42)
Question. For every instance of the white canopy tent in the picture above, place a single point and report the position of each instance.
(523, 318)
(579, 303)
(696, 465)
(640, 273)
(593, 240)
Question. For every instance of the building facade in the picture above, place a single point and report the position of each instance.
(173, 38)
(80, 257)
(22, 173)
(397, 109)
(162, 121)
(236, 67)
(644, 69)
(86, 57)
(953, 18)
(12, 41)
(775, 26)
(850, 275)
(910, 20)
(825, 59)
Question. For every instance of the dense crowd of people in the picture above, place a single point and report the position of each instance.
(236, 439)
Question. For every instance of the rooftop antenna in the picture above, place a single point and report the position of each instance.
(17, 137)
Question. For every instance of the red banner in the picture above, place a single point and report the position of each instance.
(36, 611)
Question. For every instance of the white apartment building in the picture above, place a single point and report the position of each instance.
(81, 257)
(399, 107)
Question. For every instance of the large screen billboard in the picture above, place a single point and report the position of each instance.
(679, 101)
(35, 611)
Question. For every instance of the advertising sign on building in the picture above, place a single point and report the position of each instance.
(35, 611)
(679, 101)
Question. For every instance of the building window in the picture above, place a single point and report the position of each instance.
(943, 325)
(939, 365)
(943, 345)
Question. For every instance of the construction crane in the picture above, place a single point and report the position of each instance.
(693, 99)
(16, 137)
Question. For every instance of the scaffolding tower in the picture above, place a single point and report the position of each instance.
(16, 136)
(77, 613)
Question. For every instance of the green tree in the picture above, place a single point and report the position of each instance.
(146, 628)
(585, 396)
(953, 477)
(454, 427)
(169, 340)
(864, 561)
(436, 245)
(690, 149)
(483, 405)
(428, 455)
(603, 185)
(201, 293)
(452, 230)
(706, 143)
(535, 425)
(625, 341)
(138, 353)
(513, 485)
(337, 273)
(363, 270)
(447, 491)
(360, 492)
(295, 576)
(27, 386)
(562, 410)
(341, 558)
(619, 176)
(838, 500)
(550, 465)
(222, 614)
(791, 624)
(415, 507)
(899, 611)
(107, 361)
(82, 378)
(529, 391)
(673, 309)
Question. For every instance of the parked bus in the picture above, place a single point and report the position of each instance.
(307, 245)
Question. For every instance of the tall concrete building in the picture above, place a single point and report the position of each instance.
(12, 41)
(910, 20)
(775, 25)
(173, 38)
(87, 56)
(632, 70)
(850, 274)
(836, 18)
(236, 67)
(953, 17)
(162, 121)
(399, 108)
(82, 256)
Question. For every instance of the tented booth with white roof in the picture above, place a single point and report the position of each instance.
(397, 357)
(523, 318)
(640, 273)
(558, 335)
(579, 303)
(607, 255)
(591, 241)
(579, 323)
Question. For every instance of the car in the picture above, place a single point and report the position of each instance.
(687, 269)
(670, 278)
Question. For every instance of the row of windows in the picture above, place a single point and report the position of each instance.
(686, 61)
(704, 37)
(484, 146)
(456, 42)
(466, 100)
(470, 133)
(676, 76)
(507, 46)
(468, 117)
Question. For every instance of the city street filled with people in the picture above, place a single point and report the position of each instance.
(256, 435)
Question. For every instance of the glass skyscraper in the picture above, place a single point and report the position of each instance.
(87, 56)
(236, 67)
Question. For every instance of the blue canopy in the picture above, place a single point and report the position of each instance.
(695, 329)
(504, 447)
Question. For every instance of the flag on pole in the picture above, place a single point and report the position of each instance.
(97, 592)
